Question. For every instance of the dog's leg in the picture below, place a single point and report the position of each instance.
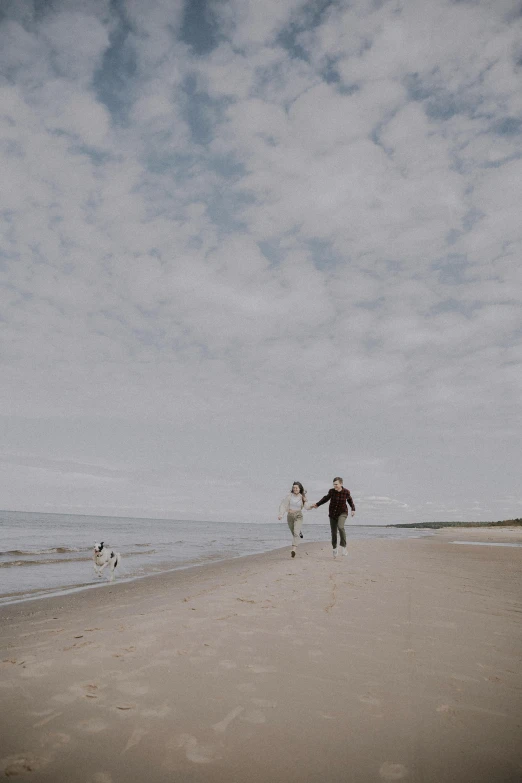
(103, 566)
(114, 563)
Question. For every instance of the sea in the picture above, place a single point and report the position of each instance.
(52, 554)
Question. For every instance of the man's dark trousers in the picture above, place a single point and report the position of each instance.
(337, 523)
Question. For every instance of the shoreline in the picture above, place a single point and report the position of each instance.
(12, 596)
(85, 565)
(104, 582)
(143, 584)
(173, 576)
(398, 662)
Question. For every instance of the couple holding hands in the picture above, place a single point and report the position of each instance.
(292, 505)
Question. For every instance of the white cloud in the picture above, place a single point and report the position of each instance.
(76, 42)
(81, 117)
(249, 23)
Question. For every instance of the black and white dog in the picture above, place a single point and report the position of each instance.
(103, 556)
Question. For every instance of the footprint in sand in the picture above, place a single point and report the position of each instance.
(246, 687)
(133, 688)
(78, 691)
(80, 662)
(222, 726)
(199, 754)
(228, 664)
(254, 716)
(41, 713)
(464, 678)
(135, 738)
(101, 777)
(36, 669)
(369, 700)
(161, 712)
(21, 764)
(392, 771)
(264, 703)
(64, 698)
(48, 718)
(91, 726)
(147, 641)
(447, 710)
(54, 740)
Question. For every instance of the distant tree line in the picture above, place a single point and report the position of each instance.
(437, 525)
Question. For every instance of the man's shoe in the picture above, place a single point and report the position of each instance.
(293, 552)
(335, 552)
(344, 551)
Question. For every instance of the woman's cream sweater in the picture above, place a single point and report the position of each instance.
(285, 504)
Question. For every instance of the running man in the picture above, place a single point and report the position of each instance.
(339, 497)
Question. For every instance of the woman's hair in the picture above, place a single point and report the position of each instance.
(301, 489)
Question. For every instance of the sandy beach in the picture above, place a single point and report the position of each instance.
(400, 662)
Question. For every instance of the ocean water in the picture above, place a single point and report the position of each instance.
(49, 554)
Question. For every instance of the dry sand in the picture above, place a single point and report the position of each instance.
(400, 662)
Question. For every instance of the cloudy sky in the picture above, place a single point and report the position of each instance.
(244, 243)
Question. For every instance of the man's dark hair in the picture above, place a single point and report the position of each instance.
(338, 478)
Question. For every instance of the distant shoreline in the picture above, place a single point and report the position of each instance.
(439, 525)
(412, 525)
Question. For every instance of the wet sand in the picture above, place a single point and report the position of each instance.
(398, 662)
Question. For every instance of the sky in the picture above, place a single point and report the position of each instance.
(245, 243)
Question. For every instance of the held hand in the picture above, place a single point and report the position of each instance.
(280, 516)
